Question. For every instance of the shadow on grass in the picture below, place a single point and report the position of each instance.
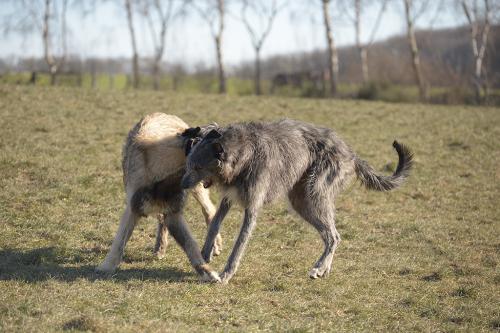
(49, 263)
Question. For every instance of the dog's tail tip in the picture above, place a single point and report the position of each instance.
(405, 162)
(376, 182)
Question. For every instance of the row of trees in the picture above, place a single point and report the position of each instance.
(258, 17)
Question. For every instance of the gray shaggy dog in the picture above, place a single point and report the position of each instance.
(255, 163)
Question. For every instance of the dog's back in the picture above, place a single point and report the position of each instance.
(153, 150)
(284, 152)
(153, 154)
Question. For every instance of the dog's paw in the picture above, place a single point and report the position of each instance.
(207, 274)
(159, 254)
(318, 273)
(225, 277)
(216, 250)
(210, 276)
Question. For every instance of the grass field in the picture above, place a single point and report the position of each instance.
(206, 83)
(422, 258)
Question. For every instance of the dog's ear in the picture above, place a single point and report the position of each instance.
(190, 143)
(191, 132)
(213, 134)
(218, 150)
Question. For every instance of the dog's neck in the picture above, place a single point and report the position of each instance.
(235, 165)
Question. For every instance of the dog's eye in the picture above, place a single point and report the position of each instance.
(197, 167)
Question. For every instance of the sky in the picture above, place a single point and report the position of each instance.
(299, 27)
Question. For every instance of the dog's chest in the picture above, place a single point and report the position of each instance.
(232, 193)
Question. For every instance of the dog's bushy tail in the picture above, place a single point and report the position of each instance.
(376, 182)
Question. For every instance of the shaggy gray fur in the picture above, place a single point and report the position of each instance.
(255, 163)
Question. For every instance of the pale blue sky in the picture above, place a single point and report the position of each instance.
(299, 28)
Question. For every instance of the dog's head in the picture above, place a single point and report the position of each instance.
(193, 135)
(204, 160)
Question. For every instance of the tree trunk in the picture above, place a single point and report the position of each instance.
(49, 59)
(218, 47)
(156, 74)
(33, 77)
(333, 64)
(478, 51)
(220, 65)
(362, 49)
(363, 54)
(414, 52)
(135, 57)
(53, 78)
(478, 87)
(258, 90)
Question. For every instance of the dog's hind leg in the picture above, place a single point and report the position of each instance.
(201, 195)
(115, 254)
(319, 211)
(161, 238)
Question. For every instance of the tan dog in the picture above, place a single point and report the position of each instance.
(153, 164)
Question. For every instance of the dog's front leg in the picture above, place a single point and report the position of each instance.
(213, 229)
(114, 257)
(208, 209)
(233, 262)
(180, 231)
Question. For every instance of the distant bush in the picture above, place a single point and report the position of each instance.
(312, 91)
(374, 91)
(369, 91)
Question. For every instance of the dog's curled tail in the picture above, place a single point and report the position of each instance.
(376, 182)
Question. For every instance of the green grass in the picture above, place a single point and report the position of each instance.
(206, 83)
(422, 258)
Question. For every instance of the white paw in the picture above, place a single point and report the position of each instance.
(159, 254)
(210, 276)
(317, 273)
(225, 277)
(215, 251)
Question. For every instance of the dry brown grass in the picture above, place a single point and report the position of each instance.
(423, 258)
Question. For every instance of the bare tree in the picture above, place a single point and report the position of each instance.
(333, 59)
(265, 15)
(411, 15)
(54, 64)
(363, 47)
(213, 14)
(26, 18)
(135, 54)
(479, 41)
(155, 11)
